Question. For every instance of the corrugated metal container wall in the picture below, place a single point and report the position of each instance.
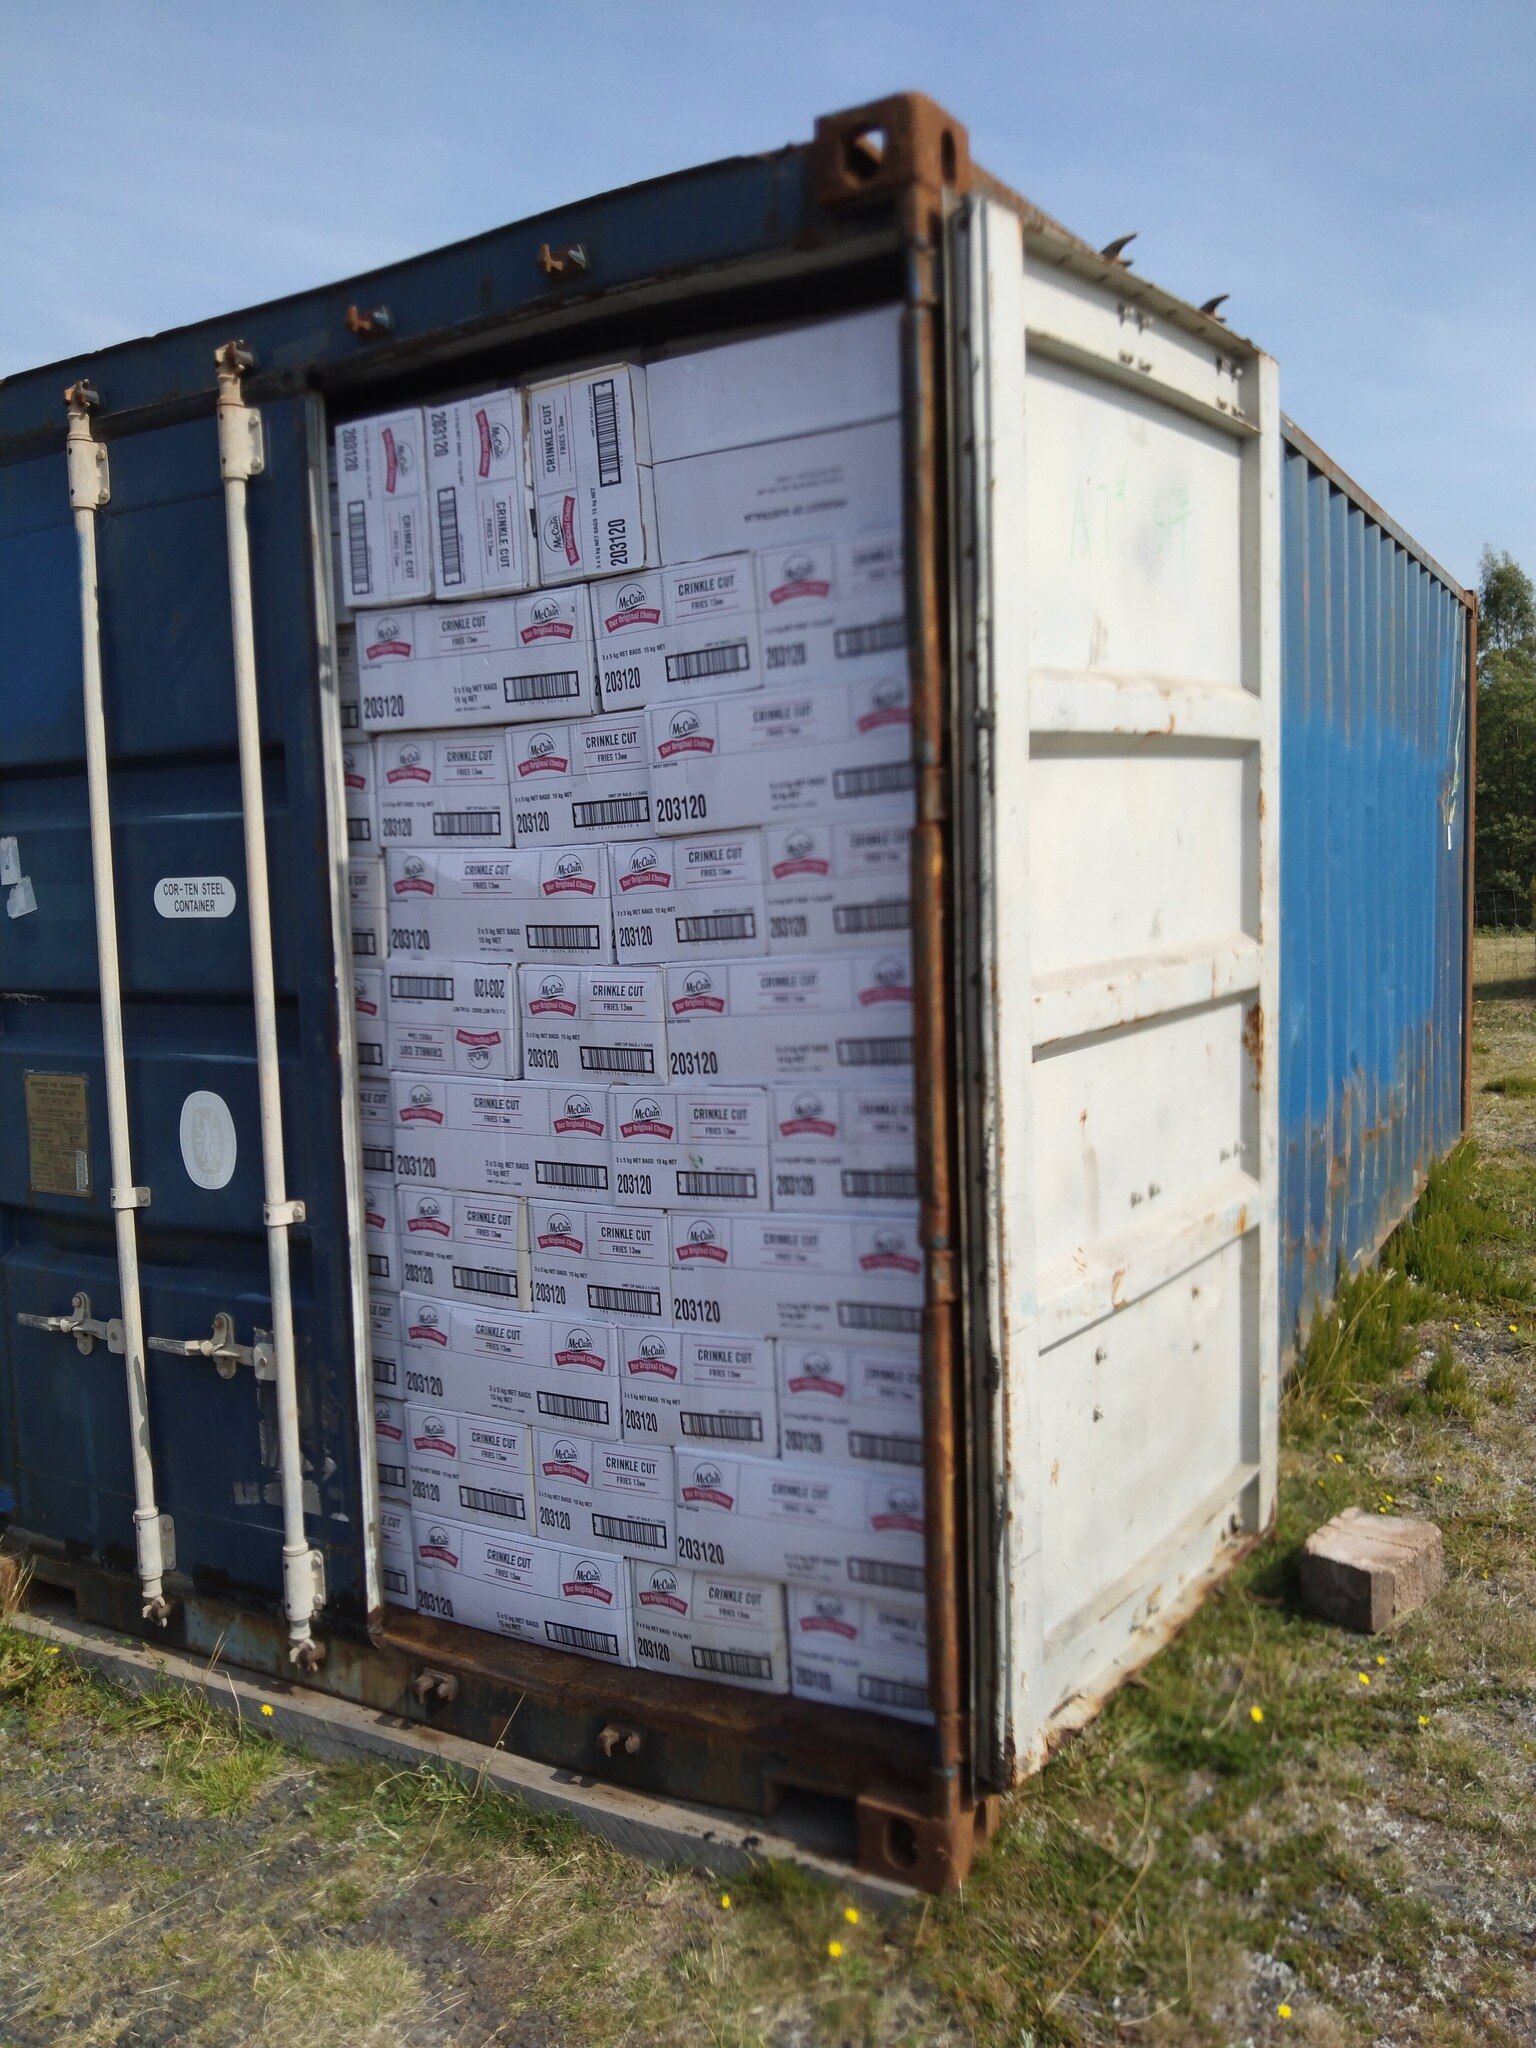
(1374, 859)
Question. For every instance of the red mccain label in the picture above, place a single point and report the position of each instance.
(884, 992)
(365, 1008)
(568, 531)
(685, 1003)
(478, 1037)
(646, 878)
(483, 426)
(382, 647)
(689, 743)
(826, 1624)
(437, 1550)
(808, 1126)
(548, 629)
(889, 1262)
(717, 1252)
(662, 1367)
(889, 714)
(557, 1469)
(817, 1383)
(808, 866)
(592, 1360)
(433, 1223)
(421, 1113)
(578, 1589)
(543, 764)
(390, 1429)
(589, 1124)
(557, 1241)
(654, 1599)
(544, 1006)
(583, 885)
(647, 1127)
(427, 1332)
(391, 460)
(891, 1520)
(645, 616)
(808, 586)
(432, 1443)
(712, 1494)
(415, 885)
(413, 774)
(355, 781)
(373, 1220)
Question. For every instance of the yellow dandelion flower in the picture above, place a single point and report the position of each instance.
(1381, 1660)
(1364, 1677)
(266, 1710)
(725, 1902)
(1455, 1326)
(851, 1915)
(1338, 1457)
(1514, 1329)
(834, 1949)
(1256, 1715)
(1284, 2011)
(53, 1649)
(1423, 1720)
(1439, 1479)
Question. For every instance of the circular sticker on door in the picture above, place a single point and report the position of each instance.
(208, 1144)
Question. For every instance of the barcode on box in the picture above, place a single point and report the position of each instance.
(876, 1315)
(729, 660)
(849, 918)
(564, 938)
(810, 1679)
(874, 1052)
(378, 1266)
(629, 1301)
(357, 548)
(485, 1280)
(394, 1581)
(890, 1450)
(511, 1506)
(357, 829)
(892, 1184)
(626, 1529)
(891, 1692)
(879, 780)
(450, 553)
(732, 1663)
(422, 988)
(618, 1059)
(729, 1187)
(542, 689)
(699, 931)
(385, 1372)
(568, 1173)
(611, 810)
(895, 1578)
(739, 1429)
(605, 430)
(566, 1636)
(392, 1475)
(466, 824)
(364, 945)
(370, 1054)
(573, 1408)
(885, 634)
(378, 1158)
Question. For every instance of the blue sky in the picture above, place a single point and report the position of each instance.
(1358, 174)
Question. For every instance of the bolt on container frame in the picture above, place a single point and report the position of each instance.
(1092, 504)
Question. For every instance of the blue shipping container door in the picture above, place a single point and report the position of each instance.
(169, 693)
(1374, 850)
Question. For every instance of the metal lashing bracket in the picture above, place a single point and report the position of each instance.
(227, 1355)
(435, 1688)
(562, 262)
(284, 1213)
(130, 1198)
(80, 1324)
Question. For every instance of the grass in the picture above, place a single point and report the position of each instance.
(1274, 1815)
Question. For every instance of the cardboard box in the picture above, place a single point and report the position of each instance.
(463, 1247)
(680, 1388)
(560, 1599)
(830, 610)
(844, 1147)
(835, 1017)
(592, 1023)
(481, 495)
(360, 787)
(338, 594)
(859, 1653)
(366, 910)
(589, 442)
(849, 1405)
(443, 789)
(389, 1446)
(498, 661)
(385, 1344)
(812, 1525)
(549, 904)
(790, 493)
(376, 1125)
(701, 1625)
(473, 1467)
(370, 1013)
(603, 1262)
(688, 899)
(348, 690)
(397, 1554)
(832, 886)
(381, 480)
(504, 1137)
(832, 751)
(692, 1148)
(547, 1372)
(454, 1017)
(689, 631)
(795, 380)
(380, 1237)
(614, 1496)
(581, 782)
(799, 1276)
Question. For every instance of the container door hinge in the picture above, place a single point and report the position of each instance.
(227, 1355)
(90, 477)
(80, 1324)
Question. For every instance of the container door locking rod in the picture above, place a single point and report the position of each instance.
(242, 456)
(89, 485)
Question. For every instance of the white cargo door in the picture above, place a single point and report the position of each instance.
(1117, 572)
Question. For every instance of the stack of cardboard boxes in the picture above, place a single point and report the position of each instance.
(629, 796)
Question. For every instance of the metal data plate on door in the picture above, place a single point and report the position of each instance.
(58, 1135)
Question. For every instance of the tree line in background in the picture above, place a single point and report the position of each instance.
(1506, 743)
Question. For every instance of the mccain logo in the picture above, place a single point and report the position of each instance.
(685, 736)
(698, 994)
(808, 1117)
(414, 879)
(570, 875)
(646, 871)
(702, 1242)
(902, 1509)
(421, 1106)
(552, 1000)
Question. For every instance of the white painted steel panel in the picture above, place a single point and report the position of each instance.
(1117, 608)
